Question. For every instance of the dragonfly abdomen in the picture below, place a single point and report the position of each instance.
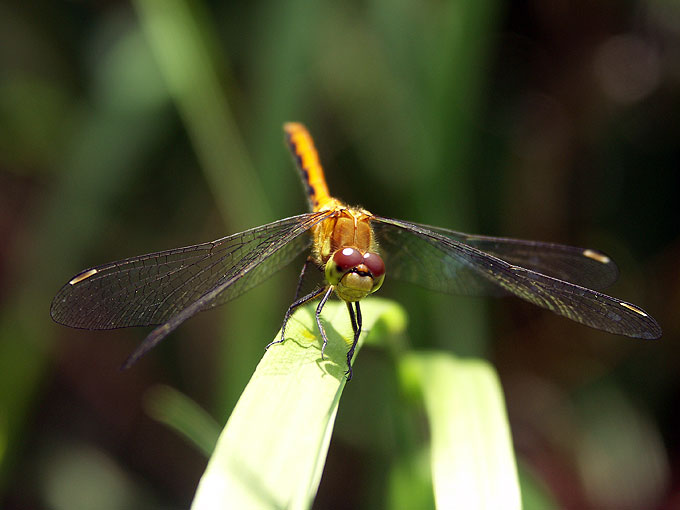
(307, 159)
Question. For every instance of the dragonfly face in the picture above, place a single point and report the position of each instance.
(355, 249)
(355, 275)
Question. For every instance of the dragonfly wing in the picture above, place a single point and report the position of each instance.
(462, 267)
(150, 289)
(581, 266)
(411, 256)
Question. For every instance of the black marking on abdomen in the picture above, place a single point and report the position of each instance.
(304, 173)
(311, 192)
(298, 160)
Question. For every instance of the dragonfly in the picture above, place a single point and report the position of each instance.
(355, 250)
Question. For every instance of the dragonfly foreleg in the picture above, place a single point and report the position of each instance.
(318, 318)
(298, 302)
(356, 327)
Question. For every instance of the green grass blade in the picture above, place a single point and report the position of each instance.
(180, 413)
(473, 463)
(272, 451)
(185, 45)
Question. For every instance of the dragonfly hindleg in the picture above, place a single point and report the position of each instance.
(308, 261)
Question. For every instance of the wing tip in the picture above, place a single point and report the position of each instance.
(654, 332)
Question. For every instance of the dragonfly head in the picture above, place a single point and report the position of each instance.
(355, 274)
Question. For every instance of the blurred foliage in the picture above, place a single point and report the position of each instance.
(128, 128)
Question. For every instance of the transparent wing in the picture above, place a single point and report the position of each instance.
(151, 289)
(581, 266)
(437, 260)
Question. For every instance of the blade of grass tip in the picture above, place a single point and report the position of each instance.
(174, 409)
(273, 448)
(473, 462)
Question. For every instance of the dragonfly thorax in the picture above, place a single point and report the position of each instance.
(354, 274)
(346, 226)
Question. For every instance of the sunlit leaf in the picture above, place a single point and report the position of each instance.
(272, 451)
(473, 462)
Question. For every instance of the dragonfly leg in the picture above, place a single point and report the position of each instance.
(298, 302)
(308, 260)
(318, 318)
(356, 327)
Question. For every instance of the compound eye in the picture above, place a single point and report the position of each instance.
(347, 258)
(375, 264)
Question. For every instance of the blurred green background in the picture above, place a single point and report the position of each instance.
(134, 127)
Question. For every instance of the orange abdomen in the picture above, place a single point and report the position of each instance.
(307, 159)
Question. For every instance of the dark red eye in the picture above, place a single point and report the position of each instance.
(347, 258)
(375, 264)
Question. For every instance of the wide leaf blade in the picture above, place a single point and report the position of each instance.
(272, 451)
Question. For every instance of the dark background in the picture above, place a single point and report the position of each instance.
(550, 120)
